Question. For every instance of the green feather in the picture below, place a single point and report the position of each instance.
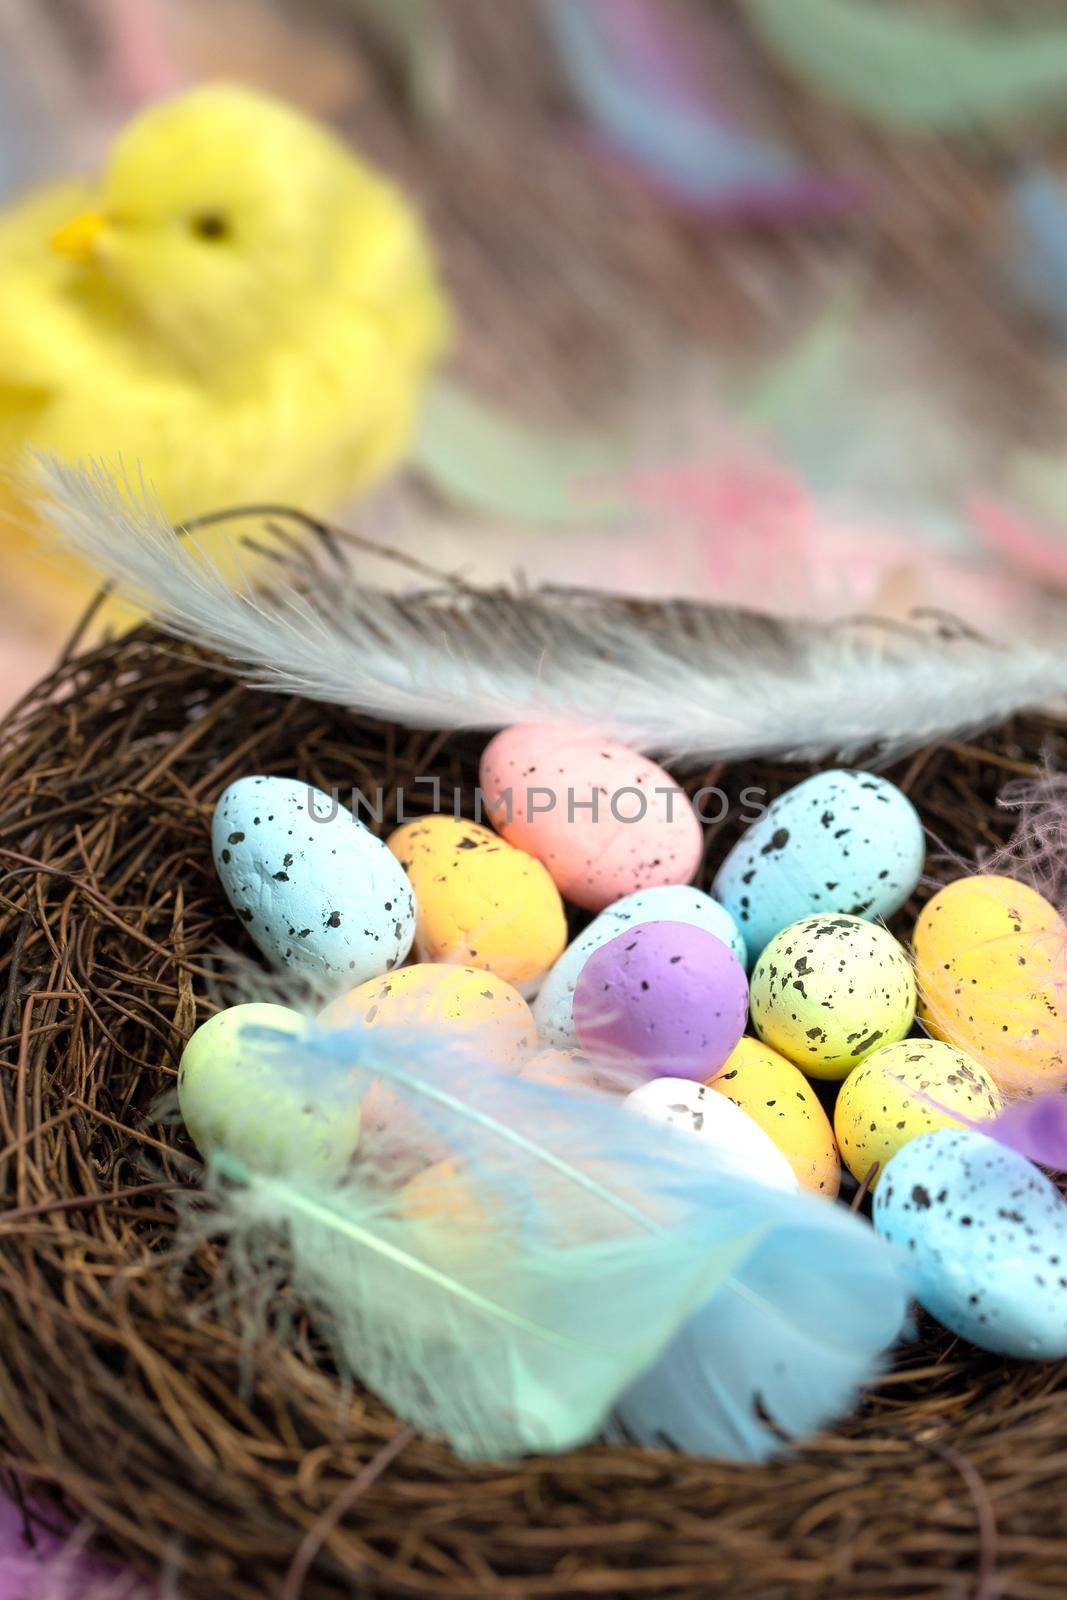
(912, 70)
(504, 1343)
(482, 461)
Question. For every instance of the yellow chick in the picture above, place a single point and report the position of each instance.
(241, 310)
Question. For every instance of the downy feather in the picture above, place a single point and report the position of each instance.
(685, 681)
(783, 1351)
(568, 1242)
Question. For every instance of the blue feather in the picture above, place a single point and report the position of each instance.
(570, 1248)
(1037, 213)
(630, 72)
(781, 1351)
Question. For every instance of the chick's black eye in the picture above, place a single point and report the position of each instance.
(210, 225)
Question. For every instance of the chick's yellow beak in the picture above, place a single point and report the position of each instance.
(77, 238)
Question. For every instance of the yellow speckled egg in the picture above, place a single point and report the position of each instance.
(991, 964)
(885, 1103)
(481, 902)
(828, 990)
(460, 1000)
(780, 1099)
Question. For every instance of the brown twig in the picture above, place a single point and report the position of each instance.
(324, 1525)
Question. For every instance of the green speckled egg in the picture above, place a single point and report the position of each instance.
(828, 990)
(886, 1102)
(239, 1095)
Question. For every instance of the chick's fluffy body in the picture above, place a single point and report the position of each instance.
(253, 320)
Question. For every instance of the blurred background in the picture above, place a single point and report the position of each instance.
(762, 301)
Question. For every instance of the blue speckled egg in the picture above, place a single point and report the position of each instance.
(672, 902)
(840, 841)
(986, 1234)
(315, 889)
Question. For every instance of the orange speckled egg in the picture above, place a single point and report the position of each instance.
(991, 965)
(452, 1224)
(570, 1069)
(481, 902)
(461, 1001)
(780, 1099)
(604, 820)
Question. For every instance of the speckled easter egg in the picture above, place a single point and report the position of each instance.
(567, 1069)
(986, 1239)
(674, 902)
(461, 1001)
(238, 1094)
(489, 1021)
(828, 990)
(886, 1102)
(991, 964)
(663, 999)
(731, 1137)
(481, 902)
(604, 820)
(451, 1226)
(839, 841)
(314, 888)
(780, 1100)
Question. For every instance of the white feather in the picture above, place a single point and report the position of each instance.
(681, 680)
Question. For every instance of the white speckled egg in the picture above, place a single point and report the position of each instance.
(675, 902)
(839, 841)
(314, 888)
(604, 820)
(986, 1238)
(903, 1090)
(729, 1134)
(238, 1094)
(828, 990)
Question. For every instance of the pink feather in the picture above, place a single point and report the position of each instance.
(1031, 549)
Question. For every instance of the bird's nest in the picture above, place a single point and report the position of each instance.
(125, 1390)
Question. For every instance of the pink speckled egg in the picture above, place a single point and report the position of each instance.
(604, 820)
(667, 999)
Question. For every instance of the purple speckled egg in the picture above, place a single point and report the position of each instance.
(662, 999)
